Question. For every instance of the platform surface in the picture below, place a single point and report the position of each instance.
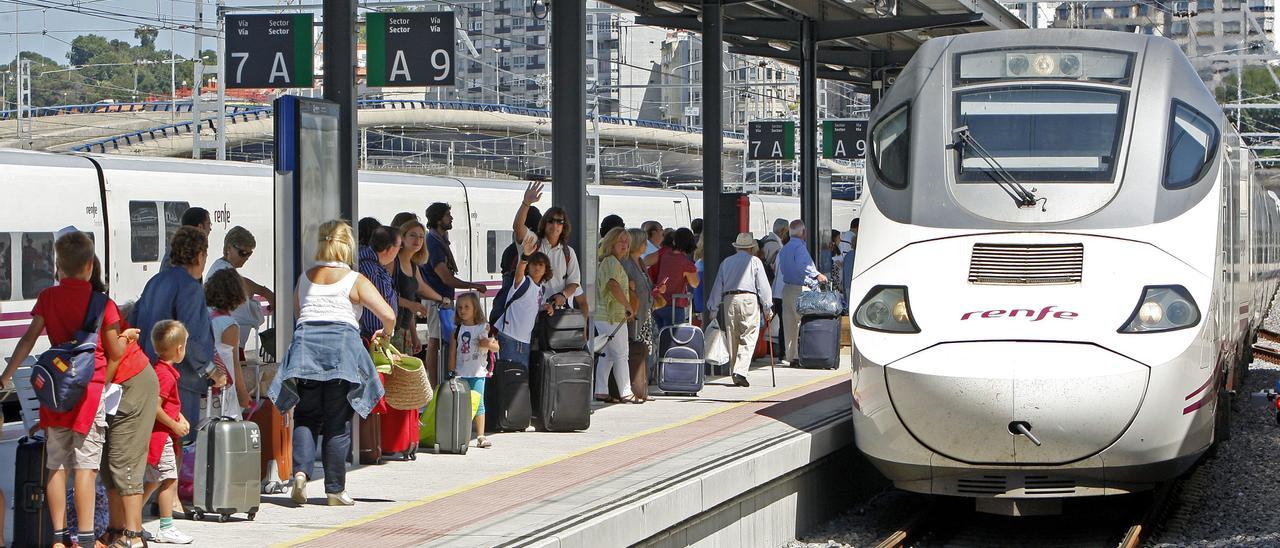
(661, 460)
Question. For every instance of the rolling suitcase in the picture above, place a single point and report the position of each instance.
(506, 398)
(564, 390)
(31, 525)
(819, 342)
(564, 330)
(370, 439)
(277, 446)
(681, 355)
(453, 417)
(227, 476)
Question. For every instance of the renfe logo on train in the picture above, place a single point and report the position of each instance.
(1046, 312)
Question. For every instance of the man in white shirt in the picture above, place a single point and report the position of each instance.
(743, 290)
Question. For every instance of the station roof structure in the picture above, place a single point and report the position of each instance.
(856, 37)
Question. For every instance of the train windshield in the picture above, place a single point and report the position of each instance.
(1041, 133)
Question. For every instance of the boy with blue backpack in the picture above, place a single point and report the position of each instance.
(83, 327)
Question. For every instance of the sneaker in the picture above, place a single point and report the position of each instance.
(784, 363)
(340, 499)
(171, 536)
(299, 494)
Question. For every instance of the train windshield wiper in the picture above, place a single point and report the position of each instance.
(1020, 195)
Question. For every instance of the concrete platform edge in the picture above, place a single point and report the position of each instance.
(780, 473)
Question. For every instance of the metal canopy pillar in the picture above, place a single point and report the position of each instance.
(568, 137)
(340, 87)
(718, 227)
(815, 195)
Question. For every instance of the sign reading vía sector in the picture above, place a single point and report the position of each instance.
(269, 51)
(410, 49)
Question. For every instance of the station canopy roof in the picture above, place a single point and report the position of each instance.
(855, 37)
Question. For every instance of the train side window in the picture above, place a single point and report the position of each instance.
(173, 219)
(497, 240)
(144, 232)
(1193, 142)
(37, 263)
(891, 143)
(6, 267)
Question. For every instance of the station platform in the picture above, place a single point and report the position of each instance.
(638, 473)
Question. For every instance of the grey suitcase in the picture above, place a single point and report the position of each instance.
(564, 380)
(819, 342)
(228, 473)
(453, 417)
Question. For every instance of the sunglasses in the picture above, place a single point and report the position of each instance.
(555, 221)
(243, 252)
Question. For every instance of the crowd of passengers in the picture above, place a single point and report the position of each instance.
(183, 340)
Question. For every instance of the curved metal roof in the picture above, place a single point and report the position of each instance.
(862, 35)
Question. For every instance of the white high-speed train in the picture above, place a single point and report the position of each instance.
(1064, 255)
(131, 205)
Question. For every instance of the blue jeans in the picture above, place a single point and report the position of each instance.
(323, 411)
(512, 350)
(190, 389)
(666, 317)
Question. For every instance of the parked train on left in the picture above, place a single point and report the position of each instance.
(132, 205)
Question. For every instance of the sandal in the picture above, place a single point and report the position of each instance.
(632, 399)
(604, 398)
(483, 442)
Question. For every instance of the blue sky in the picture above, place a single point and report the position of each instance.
(47, 26)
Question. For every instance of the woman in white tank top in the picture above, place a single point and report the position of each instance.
(327, 372)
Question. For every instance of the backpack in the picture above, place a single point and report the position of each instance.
(62, 374)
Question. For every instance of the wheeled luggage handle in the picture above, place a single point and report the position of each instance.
(688, 298)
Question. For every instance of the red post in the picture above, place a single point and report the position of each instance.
(744, 213)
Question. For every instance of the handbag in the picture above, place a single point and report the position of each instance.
(717, 346)
(378, 352)
(407, 386)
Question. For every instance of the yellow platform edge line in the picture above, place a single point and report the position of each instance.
(464, 488)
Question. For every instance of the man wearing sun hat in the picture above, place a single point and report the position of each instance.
(743, 289)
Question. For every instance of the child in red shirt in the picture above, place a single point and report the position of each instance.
(73, 439)
(169, 339)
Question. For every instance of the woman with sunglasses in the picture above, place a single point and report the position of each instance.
(565, 282)
(237, 247)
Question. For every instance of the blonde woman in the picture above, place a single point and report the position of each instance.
(327, 373)
(616, 303)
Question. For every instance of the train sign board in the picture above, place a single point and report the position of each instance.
(844, 139)
(269, 51)
(771, 140)
(410, 49)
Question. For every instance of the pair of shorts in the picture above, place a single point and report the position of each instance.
(67, 449)
(124, 465)
(167, 468)
(431, 322)
(477, 385)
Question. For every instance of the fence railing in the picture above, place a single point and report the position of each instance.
(236, 113)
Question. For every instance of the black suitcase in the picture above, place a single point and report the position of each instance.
(563, 331)
(819, 342)
(506, 398)
(31, 525)
(564, 390)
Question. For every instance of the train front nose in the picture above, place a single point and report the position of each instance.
(966, 400)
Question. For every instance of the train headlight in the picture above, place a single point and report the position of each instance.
(1162, 308)
(886, 309)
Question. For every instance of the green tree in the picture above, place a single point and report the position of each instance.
(146, 36)
(1256, 86)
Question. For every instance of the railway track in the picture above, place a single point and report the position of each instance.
(1123, 521)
